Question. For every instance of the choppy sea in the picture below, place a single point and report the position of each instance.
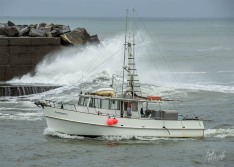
(190, 59)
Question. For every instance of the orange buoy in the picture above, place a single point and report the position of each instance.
(115, 121)
(154, 98)
(110, 121)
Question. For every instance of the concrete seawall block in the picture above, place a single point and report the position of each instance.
(26, 58)
(15, 71)
(4, 41)
(4, 58)
(4, 49)
(20, 55)
(2, 73)
(45, 41)
(20, 41)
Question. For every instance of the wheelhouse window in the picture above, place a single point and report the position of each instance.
(97, 103)
(83, 101)
(114, 105)
(92, 103)
(105, 104)
(86, 101)
(100, 103)
(134, 106)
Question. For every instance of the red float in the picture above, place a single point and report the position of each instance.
(110, 121)
(115, 121)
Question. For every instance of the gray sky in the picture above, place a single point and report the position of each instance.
(112, 8)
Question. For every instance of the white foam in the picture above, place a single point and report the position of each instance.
(18, 109)
(51, 132)
(72, 64)
(22, 116)
(219, 133)
(144, 138)
(215, 48)
(225, 71)
(210, 87)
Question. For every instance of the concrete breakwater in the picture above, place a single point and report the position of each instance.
(22, 47)
(22, 90)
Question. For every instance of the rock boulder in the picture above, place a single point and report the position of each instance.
(11, 31)
(83, 34)
(9, 23)
(94, 39)
(53, 33)
(72, 38)
(37, 33)
(24, 31)
(2, 28)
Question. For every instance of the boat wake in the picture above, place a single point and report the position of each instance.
(53, 133)
(219, 133)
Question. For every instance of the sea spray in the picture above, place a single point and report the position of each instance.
(76, 65)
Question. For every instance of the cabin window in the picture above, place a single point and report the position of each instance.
(92, 103)
(104, 103)
(134, 106)
(97, 103)
(81, 101)
(86, 101)
(114, 105)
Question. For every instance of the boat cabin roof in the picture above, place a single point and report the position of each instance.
(119, 98)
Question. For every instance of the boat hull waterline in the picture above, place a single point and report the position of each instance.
(89, 124)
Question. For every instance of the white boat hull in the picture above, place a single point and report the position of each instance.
(88, 124)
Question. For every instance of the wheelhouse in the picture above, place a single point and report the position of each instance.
(119, 107)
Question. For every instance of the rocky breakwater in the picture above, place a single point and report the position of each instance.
(22, 47)
(74, 37)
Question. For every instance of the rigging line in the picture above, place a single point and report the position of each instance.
(155, 65)
(154, 62)
(94, 67)
(93, 60)
(160, 52)
(164, 58)
(100, 64)
(119, 73)
(160, 75)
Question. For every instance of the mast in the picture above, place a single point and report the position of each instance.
(125, 44)
(132, 80)
(133, 50)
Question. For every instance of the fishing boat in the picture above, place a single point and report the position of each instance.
(106, 113)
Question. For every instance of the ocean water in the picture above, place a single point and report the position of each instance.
(190, 59)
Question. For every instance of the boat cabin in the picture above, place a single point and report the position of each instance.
(122, 107)
(119, 107)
